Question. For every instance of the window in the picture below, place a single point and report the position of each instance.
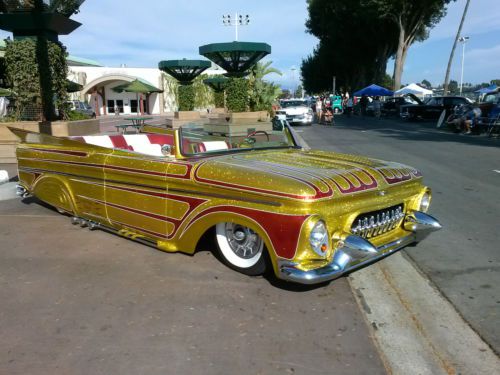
(111, 106)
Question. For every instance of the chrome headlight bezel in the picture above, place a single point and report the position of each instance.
(319, 238)
(425, 201)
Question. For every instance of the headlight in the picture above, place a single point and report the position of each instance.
(319, 238)
(425, 202)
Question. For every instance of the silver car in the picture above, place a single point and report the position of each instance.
(82, 107)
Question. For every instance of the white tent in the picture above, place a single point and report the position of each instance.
(414, 89)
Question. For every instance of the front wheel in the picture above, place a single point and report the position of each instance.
(241, 248)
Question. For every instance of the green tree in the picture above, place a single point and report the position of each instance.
(262, 94)
(412, 19)
(425, 83)
(237, 95)
(453, 87)
(495, 82)
(354, 45)
(299, 92)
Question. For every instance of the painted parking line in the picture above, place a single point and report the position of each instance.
(496, 170)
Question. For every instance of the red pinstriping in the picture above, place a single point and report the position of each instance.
(283, 230)
(319, 194)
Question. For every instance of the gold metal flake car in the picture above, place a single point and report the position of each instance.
(310, 215)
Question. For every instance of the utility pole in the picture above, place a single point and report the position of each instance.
(334, 81)
(463, 40)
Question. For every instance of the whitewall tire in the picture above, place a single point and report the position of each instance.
(241, 248)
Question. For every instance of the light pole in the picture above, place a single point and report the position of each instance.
(293, 69)
(238, 20)
(463, 40)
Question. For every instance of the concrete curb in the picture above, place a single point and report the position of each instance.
(8, 191)
(417, 330)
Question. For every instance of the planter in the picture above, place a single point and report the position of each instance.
(239, 123)
(8, 141)
(184, 117)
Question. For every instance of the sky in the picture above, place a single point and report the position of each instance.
(140, 33)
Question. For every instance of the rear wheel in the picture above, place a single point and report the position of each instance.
(241, 248)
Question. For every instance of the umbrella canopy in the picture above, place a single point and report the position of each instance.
(413, 88)
(374, 90)
(137, 86)
(73, 86)
(486, 90)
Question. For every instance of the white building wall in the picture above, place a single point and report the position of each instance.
(86, 74)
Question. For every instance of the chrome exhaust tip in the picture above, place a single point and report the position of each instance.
(22, 192)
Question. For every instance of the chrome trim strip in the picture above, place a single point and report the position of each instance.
(340, 265)
(358, 252)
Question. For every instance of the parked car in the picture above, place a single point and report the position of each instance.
(431, 108)
(391, 106)
(308, 216)
(82, 107)
(296, 111)
(336, 103)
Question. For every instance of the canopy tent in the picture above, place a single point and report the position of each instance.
(139, 87)
(374, 90)
(486, 90)
(414, 89)
(73, 86)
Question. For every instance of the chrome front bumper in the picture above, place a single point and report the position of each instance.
(358, 252)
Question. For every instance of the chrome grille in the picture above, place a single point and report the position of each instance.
(375, 223)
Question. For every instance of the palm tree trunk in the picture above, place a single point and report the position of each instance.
(399, 60)
(447, 78)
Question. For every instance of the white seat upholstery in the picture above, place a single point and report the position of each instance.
(215, 145)
(99, 140)
(149, 149)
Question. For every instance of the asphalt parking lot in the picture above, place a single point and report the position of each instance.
(76, 301)
(462, 259)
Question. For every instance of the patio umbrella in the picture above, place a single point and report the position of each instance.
(374, 90)
(73, 86)
(139, 87)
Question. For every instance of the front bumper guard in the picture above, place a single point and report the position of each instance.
(358, 252)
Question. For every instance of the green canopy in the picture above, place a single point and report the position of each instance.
(137, 86)
(73, 86)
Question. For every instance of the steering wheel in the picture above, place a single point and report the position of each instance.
(259, 132)
(250, 141)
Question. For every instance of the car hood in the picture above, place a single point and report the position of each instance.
(301, 175)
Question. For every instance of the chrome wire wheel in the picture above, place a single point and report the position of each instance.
(241, 248)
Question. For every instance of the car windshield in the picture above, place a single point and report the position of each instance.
(197, 141)
(293, 103)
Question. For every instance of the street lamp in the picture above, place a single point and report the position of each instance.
(238, 20)
(463, 40)
(293, 69)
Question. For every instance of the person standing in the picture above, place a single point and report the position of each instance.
(350, 105)
(376, 107)
(363, 103)
(319, 107)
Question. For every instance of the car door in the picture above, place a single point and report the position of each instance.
(136, 194)
(433, 108)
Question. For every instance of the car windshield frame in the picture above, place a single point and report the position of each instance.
(235, 144)
(293, 103)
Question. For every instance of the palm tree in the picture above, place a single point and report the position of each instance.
(262, 94)
(447, 78)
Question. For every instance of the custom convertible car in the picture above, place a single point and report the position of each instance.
(310, 216)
